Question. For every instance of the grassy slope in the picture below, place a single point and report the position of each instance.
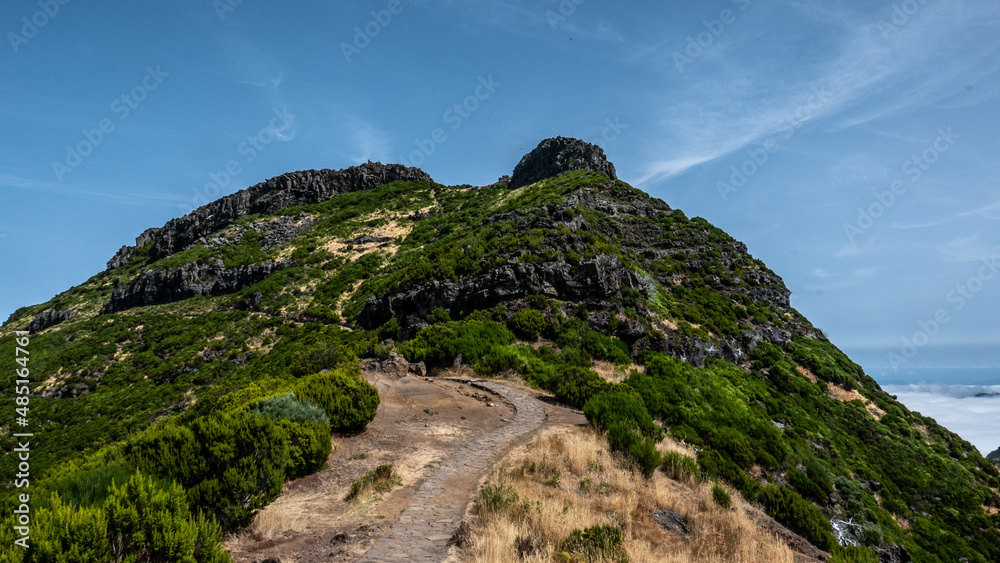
(151, 363)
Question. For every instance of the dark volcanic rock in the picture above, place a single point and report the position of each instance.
(190, 280)
(49, 318)
(597, 280)
(294, 188)
(671, 521)
(892, 554)
(557, 155)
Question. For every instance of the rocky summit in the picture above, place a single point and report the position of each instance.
(200, 376)
(557, 155)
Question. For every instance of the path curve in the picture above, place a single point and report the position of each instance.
(422, 531)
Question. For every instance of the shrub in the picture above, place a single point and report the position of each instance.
(721, 497)
(379, 480)
(804, 485)
(150, 518)
(596, 543)
(65, 534)
(309, 447)
(603, 347)
(576, 385)
(604, 409)
(243, 458)
(640, 449)
(527, 324)
(789, 508)
(439, 344)
(349, 401)
(288, 407)
(853, 554)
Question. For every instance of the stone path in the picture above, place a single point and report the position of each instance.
(422, 531)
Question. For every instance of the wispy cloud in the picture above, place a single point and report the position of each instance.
(869, 77)
(371, 142)
(119, 196)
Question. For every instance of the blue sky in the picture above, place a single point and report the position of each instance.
(852, 145)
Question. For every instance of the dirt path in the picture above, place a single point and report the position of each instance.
(441, 434)
(423, 529)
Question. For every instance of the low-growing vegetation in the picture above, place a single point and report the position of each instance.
(604, 510)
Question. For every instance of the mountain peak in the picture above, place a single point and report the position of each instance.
(557, 155)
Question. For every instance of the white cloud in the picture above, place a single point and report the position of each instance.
(976, 419)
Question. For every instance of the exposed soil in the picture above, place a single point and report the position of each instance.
(421, 422)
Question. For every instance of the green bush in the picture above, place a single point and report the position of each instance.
(804, 485)
(230, 464)
(575, 386)
(640, 449)
(439, 344)
(721, 497)
(64, 534)
(309, 447)
(349, 401)
(603, 347)
(148, 521)
(789, 508)
(288, 407)
(853, 554)
(527, 324)
(604, 409)
(596, 543)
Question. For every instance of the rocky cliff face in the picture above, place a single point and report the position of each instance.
(594, 282)
(190, 280)
(557, 155)
(49, 318)
(291, 189)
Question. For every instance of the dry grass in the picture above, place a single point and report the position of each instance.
(279, 519)
(841, 394)
(566, 479)
(807, 374)
(613, 373)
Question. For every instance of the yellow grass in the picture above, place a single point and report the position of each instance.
(549, 508)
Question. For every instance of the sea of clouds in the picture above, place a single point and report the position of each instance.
(971, 411)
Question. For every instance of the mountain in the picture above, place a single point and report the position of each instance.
(210, 361)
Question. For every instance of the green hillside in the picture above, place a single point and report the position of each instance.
(172, 394)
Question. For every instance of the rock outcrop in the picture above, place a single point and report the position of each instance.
(596, 281)
(49, 318)
(557, 155)
(291, 189)
(190, 280)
